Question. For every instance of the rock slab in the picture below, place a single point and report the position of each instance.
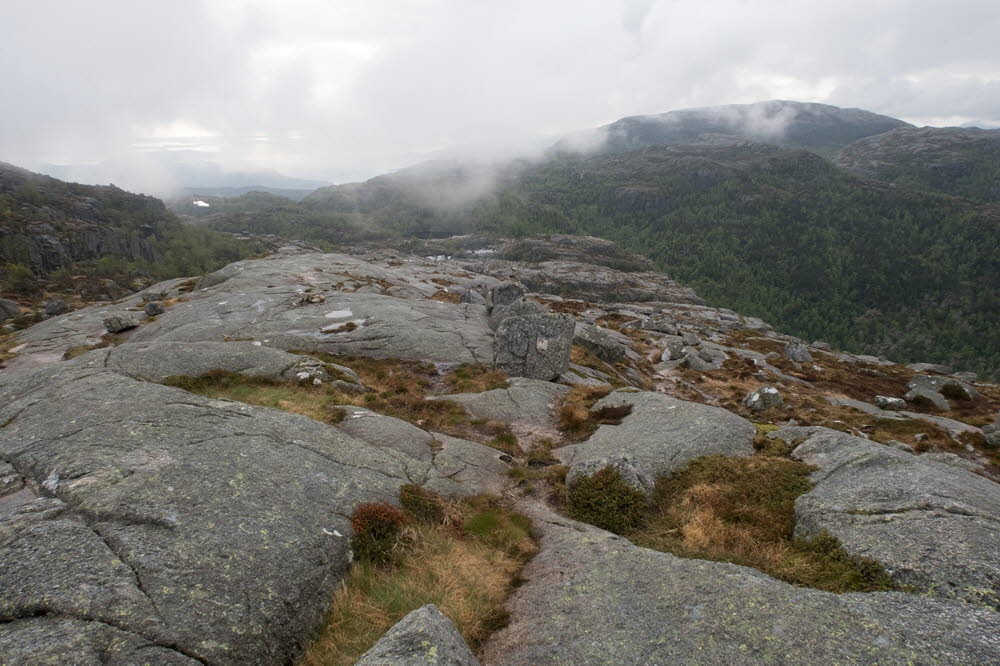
(424, 636)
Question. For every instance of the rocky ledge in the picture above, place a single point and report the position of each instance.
(142, 523)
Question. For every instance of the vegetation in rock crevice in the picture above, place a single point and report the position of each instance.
(725, 509)
(465, 557)
(395, 388)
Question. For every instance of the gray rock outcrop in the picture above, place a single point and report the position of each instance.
(933, 526)
(8, 309)
(763, 398)
(424, 636)
(519, 308)
(56, 307)
(600, 342)
(591, 597)
(796, 350)
(167, 523)
(535, 346)
(662, 433)
(119, 322)
(888, 402)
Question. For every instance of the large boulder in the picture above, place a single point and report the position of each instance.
(763, 398)
(55, 307)
(946, 387)
(662, 433)
(796, 350)
(176, 526)
(519, 308)
(535, 346)
(932, 525)
(504, 294)
(600, 342)
(424, 636)
(591, 597)
(121, 321)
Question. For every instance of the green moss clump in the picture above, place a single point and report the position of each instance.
(422, 504)
(606, 501)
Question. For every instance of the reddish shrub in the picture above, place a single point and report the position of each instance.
(378, 528)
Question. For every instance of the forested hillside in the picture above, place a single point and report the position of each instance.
(51, 231)
(899, 268)
(786, 236)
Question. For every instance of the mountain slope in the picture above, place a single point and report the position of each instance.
(954, 160)
(49, 226)
(784, 235)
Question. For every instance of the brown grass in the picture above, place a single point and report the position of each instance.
(576, 421)
(399, 389)
(742, 510)
(470, 378)
(466, 566)
(568, 307)
(445, 296)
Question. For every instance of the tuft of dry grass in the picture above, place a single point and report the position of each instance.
(466, 566)
(742, 510)
(317, 402)
(471, 378)
(576, 420)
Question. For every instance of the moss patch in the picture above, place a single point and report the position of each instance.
(471, 378)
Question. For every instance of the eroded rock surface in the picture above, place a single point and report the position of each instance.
(662, 433)
(594, 598)
(934, 526)
(179, 520)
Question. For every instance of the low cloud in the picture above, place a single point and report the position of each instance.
(342, 91)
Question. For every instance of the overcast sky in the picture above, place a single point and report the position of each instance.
(343, 89)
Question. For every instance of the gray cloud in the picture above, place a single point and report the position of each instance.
(349, 89)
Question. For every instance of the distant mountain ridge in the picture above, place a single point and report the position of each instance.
(961, 161)
(821, 128)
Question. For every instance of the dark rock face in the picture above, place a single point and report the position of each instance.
(52, 308)
(153, 308)
(61, 223)
(535, 346)
(933, 526)
(424, 636)
(8, 309)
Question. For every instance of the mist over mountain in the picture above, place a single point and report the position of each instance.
(742, 203)
(821, 128)
(168, 173)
